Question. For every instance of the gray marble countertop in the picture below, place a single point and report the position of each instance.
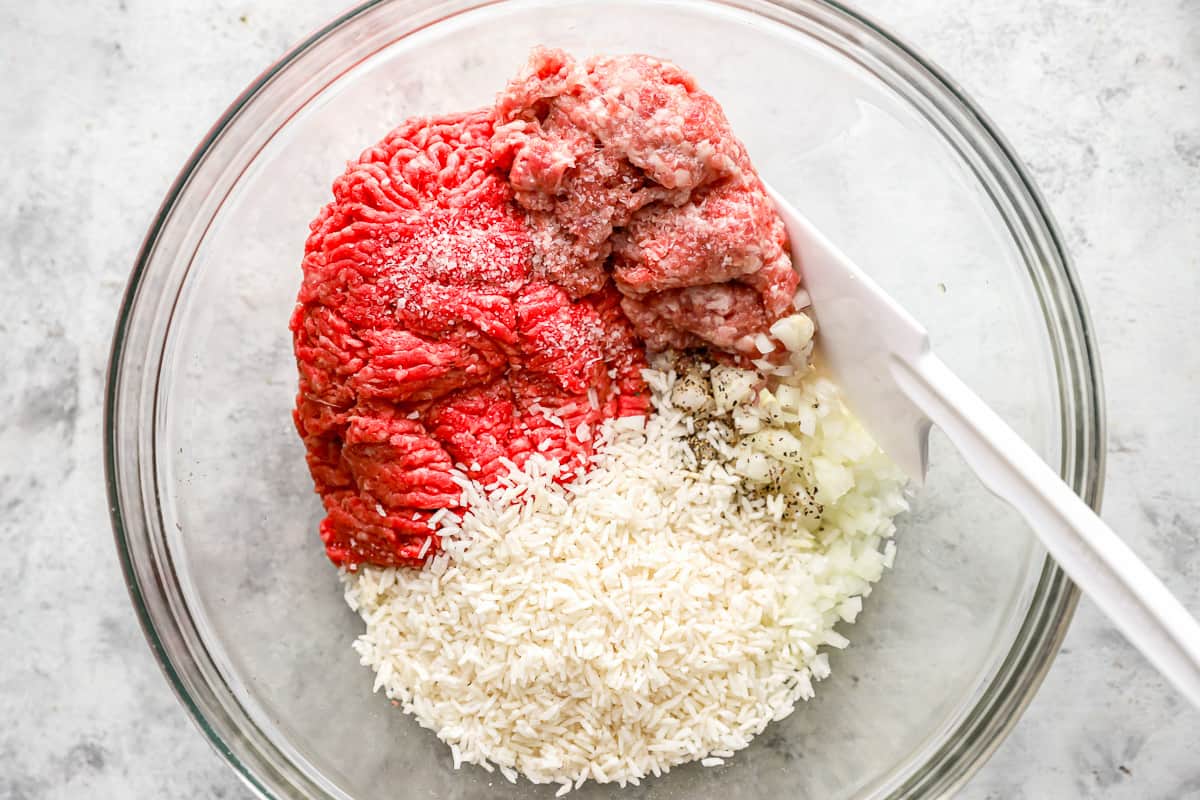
(100, 104)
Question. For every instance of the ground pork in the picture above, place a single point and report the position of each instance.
(624, 165)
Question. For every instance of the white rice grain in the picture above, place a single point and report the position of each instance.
(647, 614)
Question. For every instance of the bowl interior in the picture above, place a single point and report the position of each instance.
(861, 159)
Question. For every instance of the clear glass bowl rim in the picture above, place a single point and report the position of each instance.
(146, 562)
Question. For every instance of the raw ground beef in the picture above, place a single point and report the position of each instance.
(482, 285)
(424, 340)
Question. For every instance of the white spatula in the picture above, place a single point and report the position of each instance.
(882, 359)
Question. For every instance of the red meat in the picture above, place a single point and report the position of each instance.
(423, 340)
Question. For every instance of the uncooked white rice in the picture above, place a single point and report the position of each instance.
(652, 613)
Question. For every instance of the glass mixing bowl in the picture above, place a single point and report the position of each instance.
(213, 508)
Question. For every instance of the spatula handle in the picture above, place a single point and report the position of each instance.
(1097, 560)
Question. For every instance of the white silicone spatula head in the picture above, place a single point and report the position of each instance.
(862, 330)
(891, 379)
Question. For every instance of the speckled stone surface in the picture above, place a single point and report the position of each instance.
(101, 102)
